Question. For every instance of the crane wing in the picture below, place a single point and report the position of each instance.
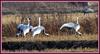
(20, 25)
(69, 24)
(36, 30)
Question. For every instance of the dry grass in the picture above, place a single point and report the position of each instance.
(89, 27)
(72, 50)
(52, 22)
(50, 38)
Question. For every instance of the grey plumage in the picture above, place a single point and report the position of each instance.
(72, 26)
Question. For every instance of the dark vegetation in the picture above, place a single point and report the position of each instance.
(40, 46)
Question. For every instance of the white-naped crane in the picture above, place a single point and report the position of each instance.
(23, 28)
(72, 26)
(38, 29)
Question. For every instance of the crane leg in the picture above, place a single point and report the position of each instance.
(33, 35)
(18, 33)
(78, 33)
(45, 32)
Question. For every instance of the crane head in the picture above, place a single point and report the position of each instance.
(39, 18)
(77, 17)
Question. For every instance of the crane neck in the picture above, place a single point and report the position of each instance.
(28, 21)
(77, 21)
(28, 24)
(39, 22)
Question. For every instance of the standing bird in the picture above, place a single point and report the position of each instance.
(87, 10)
(38, 29)
(72, 26)
(23, 28)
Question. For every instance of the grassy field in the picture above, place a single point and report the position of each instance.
(40, 37)
(53, 15)
(89, 30)
(52, 22)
